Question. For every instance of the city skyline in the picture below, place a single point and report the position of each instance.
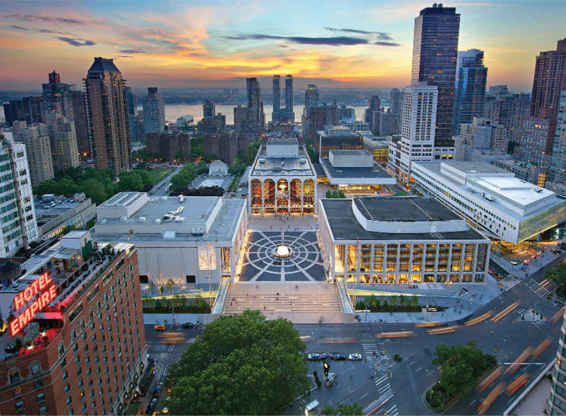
(207, 45)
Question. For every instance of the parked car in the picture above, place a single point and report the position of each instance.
(313, 356)
(187, 325)
(325, 355)
(338, 356)
(355, 357)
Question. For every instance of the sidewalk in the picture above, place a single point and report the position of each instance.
(525, 270)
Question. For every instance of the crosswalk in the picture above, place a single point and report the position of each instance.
(385, 393)
(370, 350)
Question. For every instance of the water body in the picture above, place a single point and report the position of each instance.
(174, 111)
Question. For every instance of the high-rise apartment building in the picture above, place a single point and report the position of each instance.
(311, 96)
(417, 130)
(64, 148)
(57, 96)
(435, 49)
(549, 81)
(83, 320)
(471, 77)
(275, 115)
(289, 112)
(78, 101)
(485, 134)
(557, 172)
(17, 212)
(29, 109)
(208, 109)
(153, 112)
(374, 106)
(107, 115)
(131, 109)
(255, 104)
(395, 107)
(556, 404)
(36, 139)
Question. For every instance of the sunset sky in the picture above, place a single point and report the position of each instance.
(346, 43)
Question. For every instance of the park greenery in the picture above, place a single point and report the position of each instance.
(335, 194)
(145, 156)
(244, 159)
(342, 410)
(390, 304)
(99, 185)
(241, 364)
(558, 274)
(181, 181)
(176, 304)
(461, 366)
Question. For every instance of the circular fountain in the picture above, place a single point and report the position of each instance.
(283, 252)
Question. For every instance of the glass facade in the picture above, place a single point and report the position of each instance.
(435, 48)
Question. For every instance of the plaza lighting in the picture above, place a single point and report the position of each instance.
(283, 252)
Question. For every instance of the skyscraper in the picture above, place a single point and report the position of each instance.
(395, 105)
(549, 81)
(374, 106)
(276, 98)
(435, 48)
(153, 112)
(131, 108)
(255, 105)
(557, 171)
(470, 88)
(289, 112)
(78, 100)
(64, 148)
(417, 129)
(19, 226)
(35, 137)
(107, 115)
(208, 109)
(57, 96)
(311, 96)
(556, 404)
(29, 109)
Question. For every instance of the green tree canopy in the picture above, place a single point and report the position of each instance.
(241, 364)
(460, 366)
(343, 410)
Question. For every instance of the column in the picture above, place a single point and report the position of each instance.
(289, 196)
(302, 196)
(262, 191)
(359, 265)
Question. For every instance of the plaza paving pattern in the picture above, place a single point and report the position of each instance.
(303, 265)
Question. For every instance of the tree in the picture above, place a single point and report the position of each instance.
(241, 364)
(460, 367)
(94, 190)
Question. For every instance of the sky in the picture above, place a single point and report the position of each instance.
(216, 43)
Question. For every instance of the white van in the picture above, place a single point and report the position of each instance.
(311, 406)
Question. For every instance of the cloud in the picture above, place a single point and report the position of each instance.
(45, 19)
(19, 28)
(76, 42)
(380, 35)
(329, 41)
(387, 44)
(132, 51)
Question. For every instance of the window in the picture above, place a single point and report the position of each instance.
(43, 410)
(14, 376)
(40, 398)
(20, 406)
(38, 384)
(190, 278)
(35, 369)
(144, 278)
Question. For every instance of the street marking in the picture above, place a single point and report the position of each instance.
(363, 395)
(505, 312)
(381, 380)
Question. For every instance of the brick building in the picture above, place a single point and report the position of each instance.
(81, 326)
(169, 145)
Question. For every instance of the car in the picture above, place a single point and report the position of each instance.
(355, 357)
(187, 325)
(313, 356)
(336, 356)
(325, 355)
(158, 327)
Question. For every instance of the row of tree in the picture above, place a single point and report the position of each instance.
(558, 274)
(390, 304)
(335, 194)
(181, 181)
(99, 185)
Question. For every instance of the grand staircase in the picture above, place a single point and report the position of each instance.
(297, 302)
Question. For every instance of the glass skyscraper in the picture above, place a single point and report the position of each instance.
(435, 49)
(471, 78)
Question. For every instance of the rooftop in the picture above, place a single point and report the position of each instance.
(498, 188)
(345, 225)
(267, 165)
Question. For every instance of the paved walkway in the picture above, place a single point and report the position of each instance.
(283, 223)
(262, 264)
(461, 301)
(525, 270)
(535, 402)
